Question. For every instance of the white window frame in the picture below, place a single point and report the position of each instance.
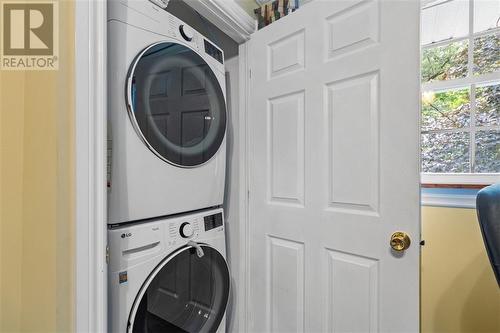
(472, 81)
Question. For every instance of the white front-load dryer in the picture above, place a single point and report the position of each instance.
(167, 115)
(169, 275)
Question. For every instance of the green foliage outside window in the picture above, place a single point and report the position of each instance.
(488, 105)
(445, 62)
(446, 110)
(486, 54)
(449, 143)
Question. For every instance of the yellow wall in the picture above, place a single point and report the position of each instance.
(36, 197)
(459, 291)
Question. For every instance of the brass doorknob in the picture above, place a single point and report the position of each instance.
(400, 241)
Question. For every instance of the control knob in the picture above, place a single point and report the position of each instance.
(186, 230)
(186, 32)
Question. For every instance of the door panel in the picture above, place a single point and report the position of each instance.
(333, 169)
(286, 279)
(353, 178)
(286, 149)
(353, 309)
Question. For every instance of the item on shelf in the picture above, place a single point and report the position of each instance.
(272, 11)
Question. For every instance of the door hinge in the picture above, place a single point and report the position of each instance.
(107, 254)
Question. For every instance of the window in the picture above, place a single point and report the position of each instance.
(460, 69)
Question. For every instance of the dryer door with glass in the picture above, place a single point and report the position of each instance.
(176, 104)
(185, 293)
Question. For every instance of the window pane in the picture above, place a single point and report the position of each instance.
(445, 152)
(486, 54)
(445, 62)
(445, 110)
(486, 14)
(487, 151)
(488, 105)
(443, 21)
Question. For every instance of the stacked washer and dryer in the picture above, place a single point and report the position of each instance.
(166, 162)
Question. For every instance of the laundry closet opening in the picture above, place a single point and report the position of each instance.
(172, 192)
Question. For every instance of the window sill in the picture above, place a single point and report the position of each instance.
(449, 197)
(467, 179)
(454, 190)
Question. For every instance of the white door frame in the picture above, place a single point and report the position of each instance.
(244, 191)
(91, 148)
(90, 91)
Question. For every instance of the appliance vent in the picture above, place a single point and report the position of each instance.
(161, 3)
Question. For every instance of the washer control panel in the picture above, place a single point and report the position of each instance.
(194, 227)
(131, 244)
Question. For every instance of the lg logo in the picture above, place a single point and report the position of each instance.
(125, 235)
(30, 35)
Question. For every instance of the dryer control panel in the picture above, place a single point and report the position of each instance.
(213, 51)
(149, 16)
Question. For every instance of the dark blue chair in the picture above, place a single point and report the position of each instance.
(488, 213)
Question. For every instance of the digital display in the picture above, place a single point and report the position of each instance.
(213, 51)
(213, 221)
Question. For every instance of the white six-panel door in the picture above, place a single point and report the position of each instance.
(333, 121)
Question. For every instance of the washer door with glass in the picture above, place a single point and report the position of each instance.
(176, 104)
(186, 293)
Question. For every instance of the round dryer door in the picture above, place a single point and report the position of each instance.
(176, 104)
(185, 293)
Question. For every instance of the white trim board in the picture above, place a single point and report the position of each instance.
(227, 15)
(460, 178)
(448, 200)
(244, 190)
(90, 89)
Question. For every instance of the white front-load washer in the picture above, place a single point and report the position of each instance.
(167, 115)
(169, 275)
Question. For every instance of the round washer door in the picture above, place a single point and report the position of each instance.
(185, 293)
(176, 104)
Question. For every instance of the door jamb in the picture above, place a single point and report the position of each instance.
(244, 190)
(90, 174)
